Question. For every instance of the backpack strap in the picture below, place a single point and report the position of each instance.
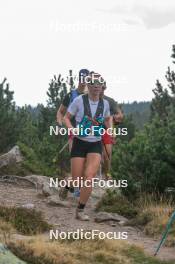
(100, 109)
(87, 109)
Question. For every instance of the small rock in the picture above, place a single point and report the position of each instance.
(104, 216)
(7, 257)
(46, 190)
(113, 224)
(130, 229)
(54, 200)
(122, 223)
(39, 180)
(28, 206)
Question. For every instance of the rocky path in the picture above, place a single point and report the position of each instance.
(63, 218)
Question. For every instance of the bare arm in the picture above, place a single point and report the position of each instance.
(67, 120)
(60, 114)
(108, 122)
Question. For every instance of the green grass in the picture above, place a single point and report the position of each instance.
(25, 221)
(115, 203)
(138, 257)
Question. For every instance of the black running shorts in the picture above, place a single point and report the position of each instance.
(81, 148)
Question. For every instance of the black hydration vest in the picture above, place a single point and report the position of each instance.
(87, 120)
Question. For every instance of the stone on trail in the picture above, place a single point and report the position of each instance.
(28, 206)
(54, 200)
(43, 185)
(39, 180)
(6, 257)
(46, 190)
(104, 216)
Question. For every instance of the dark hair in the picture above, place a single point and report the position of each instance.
(82, 74)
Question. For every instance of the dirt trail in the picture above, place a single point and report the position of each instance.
(64, 218)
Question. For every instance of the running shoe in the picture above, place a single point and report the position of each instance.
(80, 215)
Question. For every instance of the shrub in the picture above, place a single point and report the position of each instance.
(113, 202)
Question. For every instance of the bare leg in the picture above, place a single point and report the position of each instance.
(92, 165)
(107, 153)
(77, 167)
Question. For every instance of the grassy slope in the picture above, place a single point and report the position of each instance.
(38, 251)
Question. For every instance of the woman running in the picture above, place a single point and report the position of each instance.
(89, 111)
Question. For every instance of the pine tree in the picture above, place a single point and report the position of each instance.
(164, 97)
(7, 117)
